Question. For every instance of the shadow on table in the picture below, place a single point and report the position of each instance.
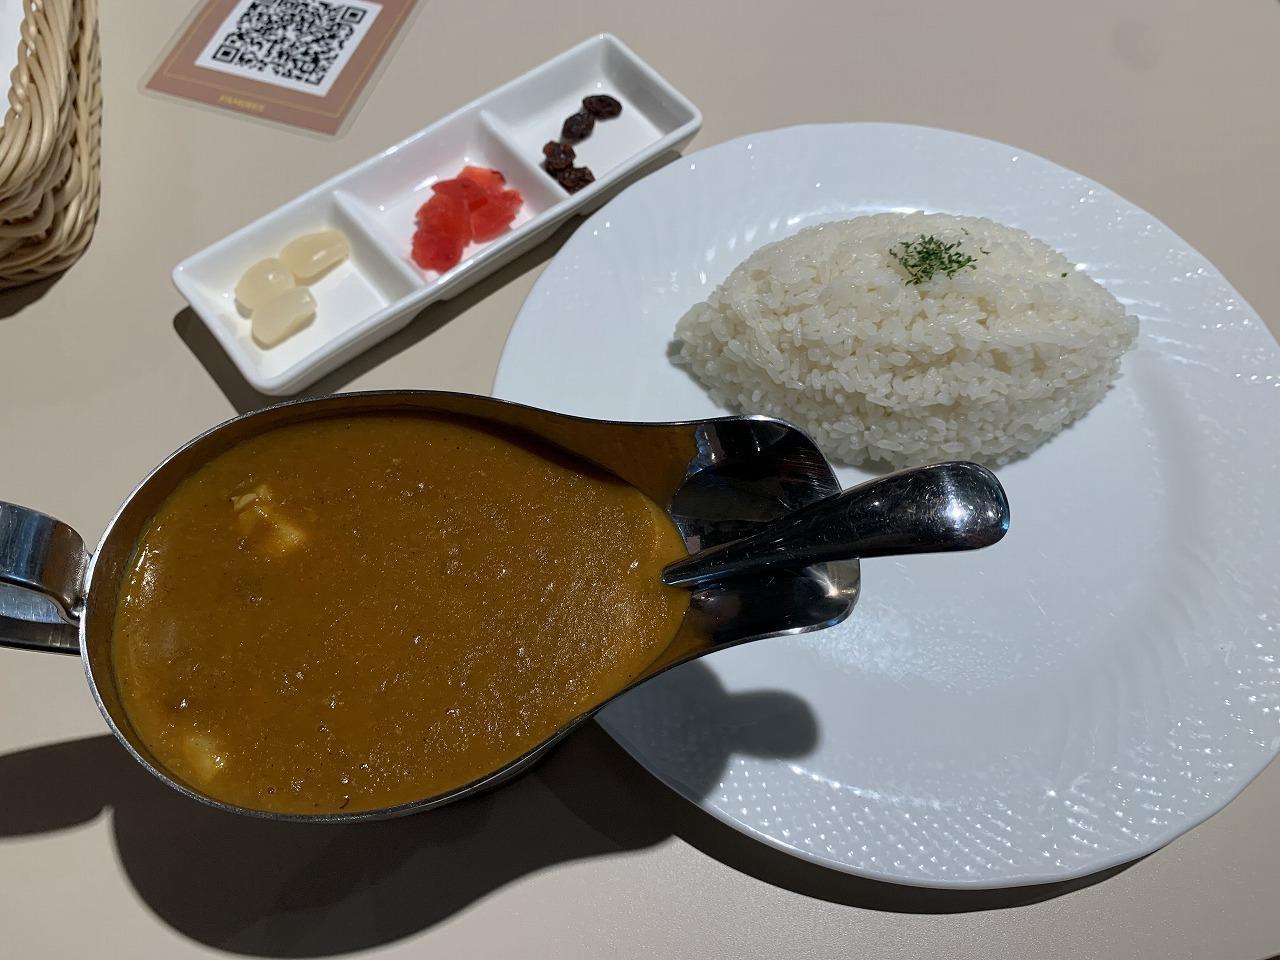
(245, 398)
(16, 299)
(300, 890)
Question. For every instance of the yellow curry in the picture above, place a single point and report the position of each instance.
(353, 613)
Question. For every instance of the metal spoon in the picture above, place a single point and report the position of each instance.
(934, 509)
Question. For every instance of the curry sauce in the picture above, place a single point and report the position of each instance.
(354, 613)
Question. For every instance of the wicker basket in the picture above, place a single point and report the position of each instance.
(49, 145)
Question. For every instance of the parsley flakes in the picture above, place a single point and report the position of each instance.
(925, 256)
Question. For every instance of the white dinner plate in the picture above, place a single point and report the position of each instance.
(1077, 696)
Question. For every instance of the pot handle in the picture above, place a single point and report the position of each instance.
(42, 571)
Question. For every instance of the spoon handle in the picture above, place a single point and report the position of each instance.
(934, 509)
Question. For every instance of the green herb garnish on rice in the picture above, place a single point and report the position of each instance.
(925, 256)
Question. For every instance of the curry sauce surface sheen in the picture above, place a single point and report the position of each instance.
(354, 613)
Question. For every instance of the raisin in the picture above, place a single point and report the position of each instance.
(560, 156)
(575, 178)
(601, 107)
(578, 127)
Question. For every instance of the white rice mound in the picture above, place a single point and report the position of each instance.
(823, 330)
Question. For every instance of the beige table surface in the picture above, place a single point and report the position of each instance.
(1172, 103)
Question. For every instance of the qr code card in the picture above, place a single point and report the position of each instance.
(300, 62)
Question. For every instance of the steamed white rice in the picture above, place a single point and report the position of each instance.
(824, 330)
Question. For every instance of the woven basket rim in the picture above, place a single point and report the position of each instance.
(50, 142)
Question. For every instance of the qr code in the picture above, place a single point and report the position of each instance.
(298, 44)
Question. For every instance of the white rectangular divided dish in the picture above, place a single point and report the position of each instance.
(379, 288)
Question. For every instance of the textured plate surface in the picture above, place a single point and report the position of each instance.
(1077, 696)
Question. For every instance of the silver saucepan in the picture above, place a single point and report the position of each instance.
(773, 541)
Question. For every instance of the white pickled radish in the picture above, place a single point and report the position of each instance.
(264, 281)
(312, 254)
(283, 316)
